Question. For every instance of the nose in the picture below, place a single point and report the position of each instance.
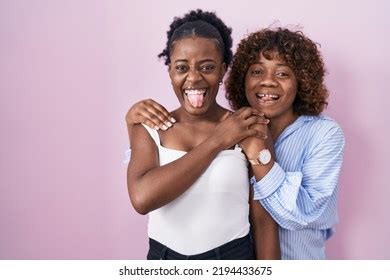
(193, 76)
(268, 80)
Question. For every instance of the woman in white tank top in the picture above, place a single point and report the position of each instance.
(193, 179)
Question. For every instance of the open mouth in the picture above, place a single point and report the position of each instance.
(196, 96)
(266, 97)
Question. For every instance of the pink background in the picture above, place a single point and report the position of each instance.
(69, 70)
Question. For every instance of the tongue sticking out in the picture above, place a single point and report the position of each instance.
(196, 100)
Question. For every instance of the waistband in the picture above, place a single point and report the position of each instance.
(232, 248)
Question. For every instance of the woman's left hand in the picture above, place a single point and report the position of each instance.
(251, 146)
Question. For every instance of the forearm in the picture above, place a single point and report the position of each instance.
(265, 231)
(266, 241)
(163, 184)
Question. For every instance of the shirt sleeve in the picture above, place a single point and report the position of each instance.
(298, 199)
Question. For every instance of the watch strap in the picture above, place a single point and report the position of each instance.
(254, 161)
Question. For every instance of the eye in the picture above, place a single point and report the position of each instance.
(283, 74)
(181, 68)
(256, 72)
(207, 68)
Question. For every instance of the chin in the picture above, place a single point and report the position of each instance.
(196, 111)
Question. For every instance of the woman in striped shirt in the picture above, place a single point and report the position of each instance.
(295, 170)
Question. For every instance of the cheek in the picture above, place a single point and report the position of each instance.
(213, 80)
(176, 81)
(291, 90)
(249, 85)
(247, 82)
(214, 83)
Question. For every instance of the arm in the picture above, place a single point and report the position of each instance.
(297, 200)
(265, 232)
(148, 112)
(151, 186)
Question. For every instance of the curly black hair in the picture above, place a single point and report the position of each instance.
(299, 53)
(202, 24)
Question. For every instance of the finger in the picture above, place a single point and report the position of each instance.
(159, 117)
(262, 120)
(240, 110)
(257, 134)
(162, 125)
(250, 133)
(147, 108)
(163, 113)
(148, 117)
(151, 125)
(248, 111)
(138, 113)
(151, 113)
(261, 135)
(254, 120)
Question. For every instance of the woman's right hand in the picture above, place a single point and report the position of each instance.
(238, 126)
(151, 113)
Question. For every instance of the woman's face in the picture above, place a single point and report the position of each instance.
(196, 69)
(271, 87)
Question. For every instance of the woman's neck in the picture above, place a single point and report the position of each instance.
(278, 125)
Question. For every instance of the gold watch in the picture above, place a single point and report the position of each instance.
(263, 158)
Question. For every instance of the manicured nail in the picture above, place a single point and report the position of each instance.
(156, 127)
(164, 127)
(172, 119)
(169, 124)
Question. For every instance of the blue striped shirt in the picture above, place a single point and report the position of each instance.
(300, 190)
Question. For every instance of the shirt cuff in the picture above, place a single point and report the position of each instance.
(269, 183)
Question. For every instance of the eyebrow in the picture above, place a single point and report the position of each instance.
(202, 61)
(278, 64)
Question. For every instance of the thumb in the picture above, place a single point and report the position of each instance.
(251, 132)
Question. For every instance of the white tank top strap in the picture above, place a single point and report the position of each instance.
(153, 133)
(237, 148)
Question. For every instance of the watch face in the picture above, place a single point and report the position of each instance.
(265, 156)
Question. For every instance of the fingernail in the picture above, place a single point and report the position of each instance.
(156, 127)
(172, 119)
(164, 127)
(168, 124)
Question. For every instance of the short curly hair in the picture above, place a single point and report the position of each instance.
(202, 24)
(299, 53)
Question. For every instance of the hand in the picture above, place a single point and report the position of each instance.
(151, 113)
(251, 146)
(238, 126)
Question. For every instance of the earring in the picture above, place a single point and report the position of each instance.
(220, 83)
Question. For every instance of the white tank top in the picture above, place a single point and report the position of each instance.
(212, 212)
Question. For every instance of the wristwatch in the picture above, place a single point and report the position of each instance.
(263, 158)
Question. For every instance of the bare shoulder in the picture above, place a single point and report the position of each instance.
(142, 139)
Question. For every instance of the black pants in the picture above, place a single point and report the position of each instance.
(238, 249)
